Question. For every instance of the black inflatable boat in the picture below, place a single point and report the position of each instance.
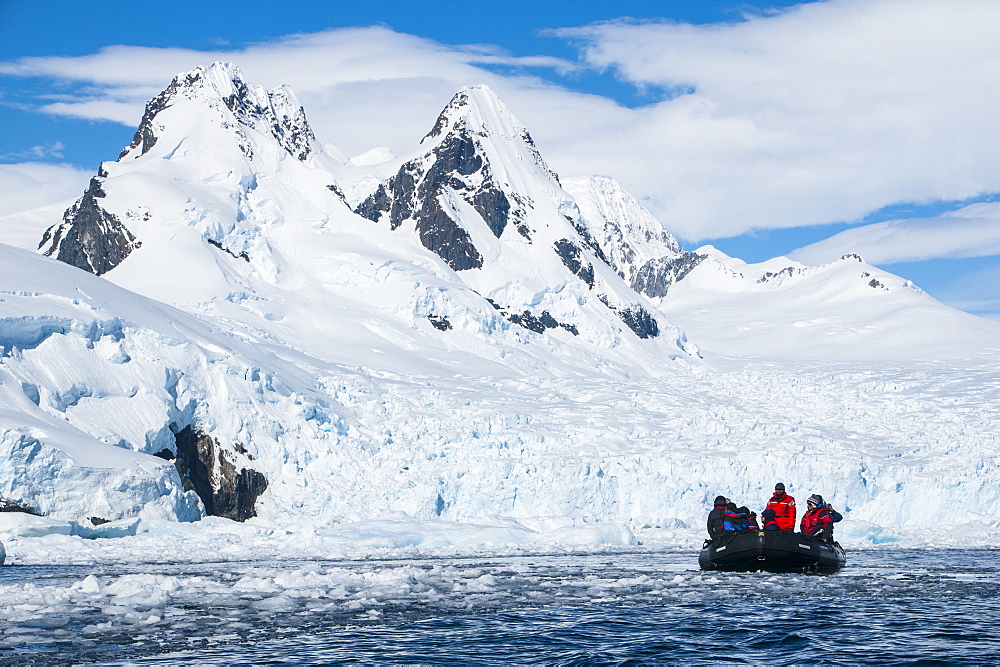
(772, 551)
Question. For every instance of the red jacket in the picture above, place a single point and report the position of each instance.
(784, 510)
(817, 523)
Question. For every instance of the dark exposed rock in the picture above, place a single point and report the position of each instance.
(376, 205)
(876, 284)
(165, 454)
(14, 506)
(570, 328)
(439, 322)
(145, 136)
(640, 321)
(532, 322)
(572, 257)
(588, 239)
(457, 154)
(291, 131)
(787, 271)
(438, 232)
(456, 166)
(536, 323)
(95, 188)
(635, 318)
(243, 255)
(89, 237)
(655, 277)
(492, 205)
(205, 468)
(337, 191)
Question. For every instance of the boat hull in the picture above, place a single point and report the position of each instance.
(771, 551)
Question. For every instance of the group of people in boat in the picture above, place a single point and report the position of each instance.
(726, 518)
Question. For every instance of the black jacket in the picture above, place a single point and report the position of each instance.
(715, 520)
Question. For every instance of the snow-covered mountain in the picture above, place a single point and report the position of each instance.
(632, 241)
(469, 337)
(846, 310)
(482, 198)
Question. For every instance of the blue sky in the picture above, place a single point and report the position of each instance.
(764, 129)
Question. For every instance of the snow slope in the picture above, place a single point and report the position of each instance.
(846, 310)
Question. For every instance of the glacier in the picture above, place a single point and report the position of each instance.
(465, 351)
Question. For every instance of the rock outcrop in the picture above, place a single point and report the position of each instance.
(207, 469)
(89, 237)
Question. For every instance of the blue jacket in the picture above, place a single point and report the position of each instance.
(736, 521)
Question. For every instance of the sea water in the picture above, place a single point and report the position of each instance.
(887, 605)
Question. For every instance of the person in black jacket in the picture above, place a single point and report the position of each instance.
(716, 518)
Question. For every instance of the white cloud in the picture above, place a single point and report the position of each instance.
(817, 114)
(361, 87)
(821, 113)
(34, 197)
(972, 231)
(38, 152)
(27, 185)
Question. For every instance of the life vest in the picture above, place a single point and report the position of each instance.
(817, 523)
(784, 511)
(736, 521)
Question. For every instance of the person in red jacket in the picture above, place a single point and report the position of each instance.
(784, 508)
(817, 522)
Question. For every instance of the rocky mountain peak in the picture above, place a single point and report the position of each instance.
(89, 237)
(238, 106)
(477, 154)
(634, 243)
(477, 115)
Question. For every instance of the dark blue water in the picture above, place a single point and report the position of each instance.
(888, 607)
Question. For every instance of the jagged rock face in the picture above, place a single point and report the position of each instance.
(89, 237)
(655, 277)
(215, 104)
(637, 318)
(573, 257)
(422, 191)
(483, 177)
(630, 240)
(14, 506)
(273, 112)
(206, 469)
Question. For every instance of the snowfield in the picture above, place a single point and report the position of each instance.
(362, 391)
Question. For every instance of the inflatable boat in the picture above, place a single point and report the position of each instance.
(771, 551)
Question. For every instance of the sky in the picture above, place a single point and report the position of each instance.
(808, 129)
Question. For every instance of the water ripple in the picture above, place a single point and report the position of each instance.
(628, 608)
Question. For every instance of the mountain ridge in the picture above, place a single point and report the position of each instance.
(297, 360)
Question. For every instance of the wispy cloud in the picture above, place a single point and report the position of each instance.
(27, 185)
(39, 152)
(820, 113)
(972, 231)
(816, 114)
